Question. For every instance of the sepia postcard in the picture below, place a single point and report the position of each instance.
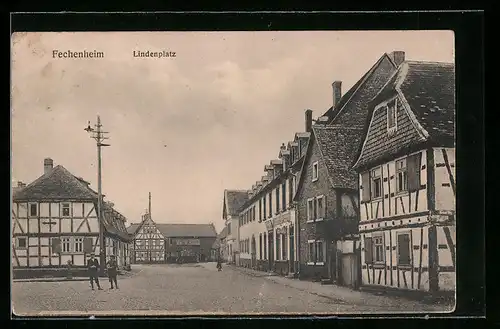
(233, 173)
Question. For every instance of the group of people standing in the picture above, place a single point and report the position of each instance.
(111, 269)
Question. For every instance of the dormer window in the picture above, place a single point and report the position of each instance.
(392, 116)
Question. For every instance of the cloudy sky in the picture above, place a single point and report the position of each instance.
(188, 127)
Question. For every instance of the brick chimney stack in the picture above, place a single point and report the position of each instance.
(309, 120)
(48, 165)
(337, 92)
(398, 57)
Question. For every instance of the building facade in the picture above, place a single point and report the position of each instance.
(171, 243)
(55, 221)
(233, 201)
(406, 169)
(327, 196)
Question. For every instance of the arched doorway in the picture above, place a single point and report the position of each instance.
(253, 251)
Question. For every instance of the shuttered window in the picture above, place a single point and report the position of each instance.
(368, 250)
(283, 192)
(365, 187)
(404, 249)
(413, 167)
(260, 246)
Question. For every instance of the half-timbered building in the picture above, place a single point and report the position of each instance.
(406, 169)
(170, 243)
(327, 196)
(54, 221)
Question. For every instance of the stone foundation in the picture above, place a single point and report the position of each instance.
(313, 272)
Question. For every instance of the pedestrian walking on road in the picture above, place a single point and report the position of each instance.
(93, 268)
(112, 271)
(219, 264)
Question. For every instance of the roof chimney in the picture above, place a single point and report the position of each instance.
(337, 92)
(309, 120)
(21, 184)
(48, 164)
(398, 57)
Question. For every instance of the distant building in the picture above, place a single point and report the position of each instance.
(54, 220)
(233, 201)
(219, 246)
(407, 181)
(170, 243)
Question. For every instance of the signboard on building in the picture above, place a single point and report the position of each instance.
(187, 242)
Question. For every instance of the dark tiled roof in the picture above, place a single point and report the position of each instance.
(114, 222)
(187, 230)
(332, 112)
(235, 199)
(59, 183)
(429, 89)
(132, 228)
(222, 233)
(338, 146)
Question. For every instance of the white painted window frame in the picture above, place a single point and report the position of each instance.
(309, 214)
(315, 171)
(29, 209)
(25, 242)
(62, 207)
(320, 218)
(393, 129)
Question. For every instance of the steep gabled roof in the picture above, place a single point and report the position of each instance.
(59, 183)
(234, 200)
(428, 93)
(187, 230)
(336, 149)
(179, 230)
(332, 113)
(132, 228)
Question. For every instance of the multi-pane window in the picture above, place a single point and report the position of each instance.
(260, 246)
(404, 249)
(316, 208)
(315, 173)
(270, 204)
(401, 176)
(284, 246)
(283, 195)
(311, 252)
(260, 210)
(65, 210)
(378, 249)
(66, 244)
(78, 244)
(320, 207)
(33, 209)
(265, 245)
(376, 183)
(310, 209)
(277, 199)
(320, 257)
(278, 246)
(392, 115)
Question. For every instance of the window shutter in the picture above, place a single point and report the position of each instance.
(404, 249)
(308, 210)
(56, 245)
(365, 186)
(368, 251)
(413, 167)
(323, 210)
(87, 245)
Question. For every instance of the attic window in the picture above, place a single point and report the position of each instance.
(392, 116)
(315, 171)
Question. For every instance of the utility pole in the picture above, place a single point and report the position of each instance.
(149, 209)
(99, 137)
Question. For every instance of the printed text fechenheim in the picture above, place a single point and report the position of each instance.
(77, 54)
